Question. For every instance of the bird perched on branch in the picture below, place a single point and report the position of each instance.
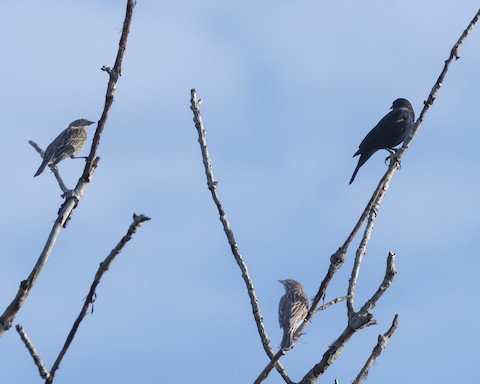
(388, 133)
(293, 307)
(67, 144)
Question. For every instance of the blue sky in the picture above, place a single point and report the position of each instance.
(289, 90)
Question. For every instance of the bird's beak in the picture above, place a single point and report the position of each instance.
(91, 122)
(281, 281)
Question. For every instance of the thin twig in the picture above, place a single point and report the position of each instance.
(72, 197)
(390, 274)
(362, 249)
(454, 54)
(212, 184)
(26, 285)
(330, 303)
(33, 352)
(377, 350)
(137, 221)
(114, 73)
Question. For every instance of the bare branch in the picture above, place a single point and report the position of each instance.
(212, 184)
(114, 73)
(71, 197)
(328, 357)
(33, 352)
(356, 321)
(454, 54)
(330, 303)
(361, 250)
(377, 350)
(137, 221)
(390, 274)
(26, 285)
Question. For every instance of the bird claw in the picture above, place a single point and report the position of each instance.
(393, 157)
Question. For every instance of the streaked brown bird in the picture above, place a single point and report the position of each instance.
(293, 308)
(67, 144)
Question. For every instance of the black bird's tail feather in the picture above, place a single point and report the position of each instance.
(362, 160)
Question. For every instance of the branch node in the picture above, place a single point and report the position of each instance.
(455, 53)
(106, 69)
(359, 320)
(337, 259)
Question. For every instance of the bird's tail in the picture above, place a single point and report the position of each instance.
(363, 158)
(287, 340)
(42, 167)
(355, 172)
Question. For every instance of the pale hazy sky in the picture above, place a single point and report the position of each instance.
(289, 90)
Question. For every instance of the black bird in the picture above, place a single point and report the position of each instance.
(66, 144)
(388, 133)
(293, 308)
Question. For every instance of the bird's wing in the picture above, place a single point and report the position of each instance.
(297, 310)
(77, 139)
(52, 149)
(281, 311)
(389, 132)
(66, 144)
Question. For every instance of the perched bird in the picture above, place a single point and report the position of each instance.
(293, 307)
(67, 144)
(388, 133)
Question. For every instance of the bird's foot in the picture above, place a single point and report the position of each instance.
(393, 157)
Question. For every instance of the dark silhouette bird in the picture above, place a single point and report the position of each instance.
(293, 307)
(67, 144)
(388, 133)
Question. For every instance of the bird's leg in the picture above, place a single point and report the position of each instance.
(393, 157)
(78, 157)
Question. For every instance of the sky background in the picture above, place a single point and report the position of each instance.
(289, 90)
